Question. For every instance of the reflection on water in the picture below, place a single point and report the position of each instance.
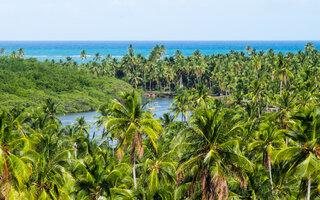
(158, 107)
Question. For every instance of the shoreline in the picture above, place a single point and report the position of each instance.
(155, 94)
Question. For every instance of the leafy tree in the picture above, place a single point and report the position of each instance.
(131, 123)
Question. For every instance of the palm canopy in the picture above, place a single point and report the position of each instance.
(131, 123)
(15, 164)
(302, 156)
(212, 154)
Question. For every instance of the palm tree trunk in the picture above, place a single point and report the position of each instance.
(181, 84)
(134, 172)
(150, 85)
(144, 81)
(309, 186)
(280, 87)
(270, 175)
(75, 153)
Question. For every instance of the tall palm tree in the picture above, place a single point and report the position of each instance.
(97, 175)
(211, 154)
(97, 57)
(131, 123)
(13, 54)
(179, 66)
(248, 49)
(20, 53)
(302, 159)
(283, 72)
(181, 105)
(266, 140)
(2, 51)
(83, 54)
(159, 172)
(68, 59)
(15, 163)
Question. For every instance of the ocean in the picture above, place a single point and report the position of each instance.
(61, 49)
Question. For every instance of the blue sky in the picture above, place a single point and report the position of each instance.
(159, 19)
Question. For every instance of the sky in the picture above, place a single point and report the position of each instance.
(159, 20)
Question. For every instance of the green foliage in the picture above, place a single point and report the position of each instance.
(28, 83)
(259, 141)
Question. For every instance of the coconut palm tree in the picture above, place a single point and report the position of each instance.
(83, 54)
(2, 51)
(20, 53)
(211, 155)
(15, 163)
(266, 140)
(98, 174)
(97, 57)
(248, 49)
(158, 172)
(13, 54)
(302, 158)
(181, 105)
(179, 66)
(282, 72)
(131, 124)
(68, 60)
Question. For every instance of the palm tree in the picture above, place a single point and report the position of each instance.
(129, 62)
(96, 57)
(2, 51)
(13, 54)
(266, 140)
(83, 54)
(15, 163)
(282, 71)
(68, 59)
(94, 68)
(135, 80)
(159, 172)
(97, 175)
(81, 126)
(179, 66)
(302, 159)
(181, 105)
(131, 123)
(211, 154)
(20, 52)
(248, 49)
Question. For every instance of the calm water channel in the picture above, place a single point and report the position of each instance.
(159, 107)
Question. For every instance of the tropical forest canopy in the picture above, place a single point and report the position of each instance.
(259, 141)
(28, 83)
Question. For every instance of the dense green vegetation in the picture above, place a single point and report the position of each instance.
(221, 73)
(28, 83)
(259, 142)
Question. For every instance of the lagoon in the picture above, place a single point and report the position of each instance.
(158, 107)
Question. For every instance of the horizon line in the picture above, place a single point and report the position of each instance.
(277, 40)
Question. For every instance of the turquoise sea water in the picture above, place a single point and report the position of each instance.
(61, 49)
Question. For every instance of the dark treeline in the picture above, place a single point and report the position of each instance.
(259, 142)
